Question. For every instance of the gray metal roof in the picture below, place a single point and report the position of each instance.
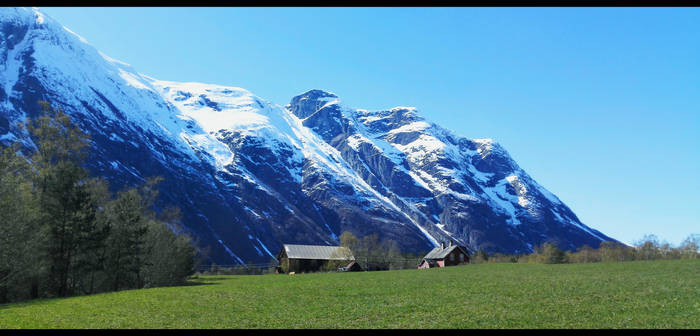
(318, 252)
(440, 253)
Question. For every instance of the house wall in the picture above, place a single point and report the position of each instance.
(424, 265)
(312, 265)
(449, 261)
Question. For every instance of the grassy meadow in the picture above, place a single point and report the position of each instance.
(638, 294)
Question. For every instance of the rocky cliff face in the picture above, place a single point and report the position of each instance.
(468, 190)
(250, 175)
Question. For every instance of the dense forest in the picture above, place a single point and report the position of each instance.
(64, 233)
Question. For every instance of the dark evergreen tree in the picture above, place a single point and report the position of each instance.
(127, 226)
(67, 209)
(169, 257)
(19, 234)
(90, 262)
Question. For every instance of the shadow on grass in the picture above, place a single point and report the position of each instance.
(20, 304)
(199, 282)
(212, 278)
(29, 303)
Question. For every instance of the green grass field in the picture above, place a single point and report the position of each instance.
(640, 294)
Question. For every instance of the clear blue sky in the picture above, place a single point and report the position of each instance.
(600, 105)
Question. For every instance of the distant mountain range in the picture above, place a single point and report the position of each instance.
(250, 175)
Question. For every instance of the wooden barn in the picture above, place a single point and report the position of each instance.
(314, 258)
(443, 256)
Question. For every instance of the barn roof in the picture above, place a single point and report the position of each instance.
(317, 252)
(441, 253)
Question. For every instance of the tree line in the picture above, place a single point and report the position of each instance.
(648, 248)
(375, 255)
(63, 233)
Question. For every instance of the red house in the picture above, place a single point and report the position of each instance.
(443, 256)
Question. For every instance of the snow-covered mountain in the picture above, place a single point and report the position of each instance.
(250, 175)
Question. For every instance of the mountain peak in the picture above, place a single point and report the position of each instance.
(311, 102)
(316, 94)
(21, 14)
(31, 18)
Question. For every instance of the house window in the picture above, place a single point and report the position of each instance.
(452, 257)
(461, 257)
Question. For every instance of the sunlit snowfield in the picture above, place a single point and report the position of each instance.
(640, 294)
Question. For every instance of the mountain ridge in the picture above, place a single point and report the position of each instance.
(250, 175)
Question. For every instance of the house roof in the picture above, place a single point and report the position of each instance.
(441, 253)
(317, 252)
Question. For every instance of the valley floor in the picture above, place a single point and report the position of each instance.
(639, 294)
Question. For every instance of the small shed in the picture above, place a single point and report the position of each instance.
(443, 256)
(313, 258)
(353, 266)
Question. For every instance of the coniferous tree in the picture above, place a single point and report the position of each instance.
(67, 209)
(19, 233)
(127, 226)
(168, 254)
(91, 261)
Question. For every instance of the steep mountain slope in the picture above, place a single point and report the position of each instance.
(250, 175)
(470, 190)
